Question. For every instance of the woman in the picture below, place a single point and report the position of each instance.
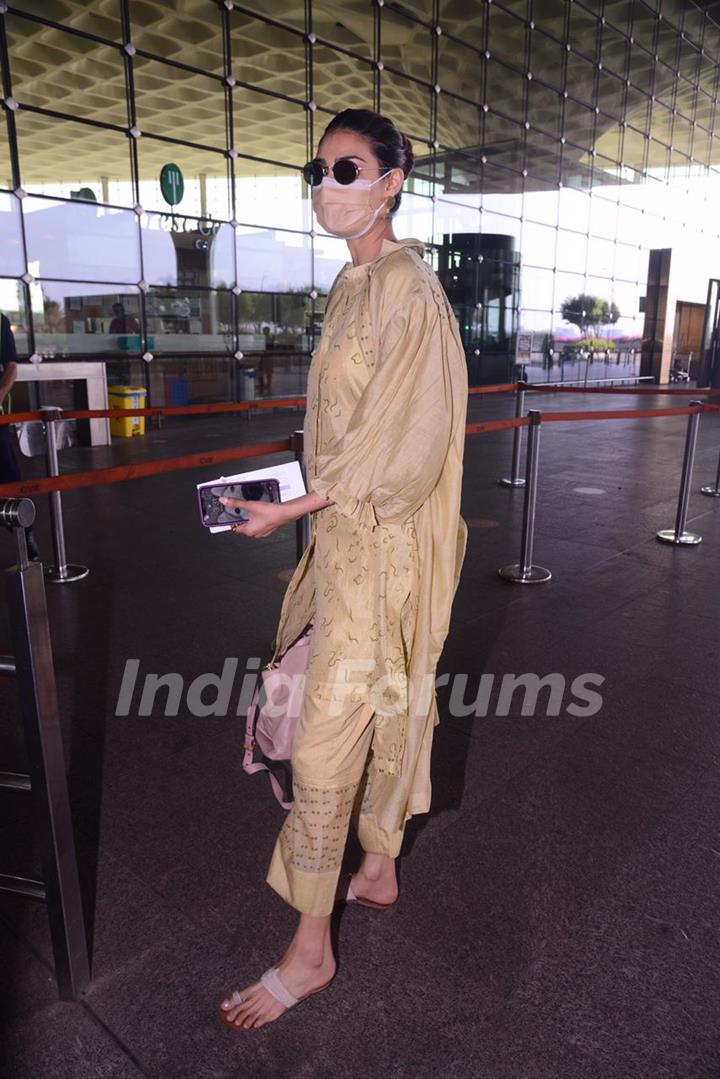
(383, 436)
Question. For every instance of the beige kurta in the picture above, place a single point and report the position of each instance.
(384, 435)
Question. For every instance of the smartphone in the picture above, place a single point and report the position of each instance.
(214, 515)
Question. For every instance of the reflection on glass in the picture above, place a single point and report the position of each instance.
(5, 166)
(270, 195)
(100, 19)
(276, 335)
(406, 46)
(167, 97)
(341, 82)
(12, 256)
(187, 251)
(81, 241)
(72, 160)
(192, 381)
(207, 190)
(169, 30)
(12, 304)
(52, 69)
(273, 261)
(74, 318)
(269, 127)
(256, 49)
(188, 320)
(408, 104)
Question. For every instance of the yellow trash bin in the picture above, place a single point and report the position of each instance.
(127, 397)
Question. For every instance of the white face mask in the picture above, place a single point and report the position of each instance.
(346, 210)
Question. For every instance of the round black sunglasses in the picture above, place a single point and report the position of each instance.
(344, 171)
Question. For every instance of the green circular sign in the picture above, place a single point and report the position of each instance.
(172, 184)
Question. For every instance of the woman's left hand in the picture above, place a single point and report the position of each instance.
(265, 517)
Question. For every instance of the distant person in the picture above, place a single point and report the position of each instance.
(265, 366)
(123, 323)
(9, 468)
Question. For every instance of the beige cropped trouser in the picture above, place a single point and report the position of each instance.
(332, 785)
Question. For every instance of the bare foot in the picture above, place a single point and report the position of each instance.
(300, 973)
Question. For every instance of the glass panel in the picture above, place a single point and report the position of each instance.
(75, 318)
(507, 36)
(406, 45)
(414, 217)
(271, 195)
(100, 19)
(601, 257)
(536, 288)
(187, 251)
(329, 257)
(567, 287)
(194, 39)
(293, 14)
(274, 261)
(55, 70)
(571, 251)
(60, 157)
(461, 70)
(544, 108)
(12, 255)
(285, 319)
(409, 102)
(81, 241)
(464, 21)
(5, 166)
(269, 127)
(355, 33)
(541, 206)
(574, 211)
(505, 89)
(176, 103)
(12, 304)
(538, 248)
(196, 381)
(206, 187)
(547, 59)
(268, 56)
(341, 82)
(452, 218)
(613, 50)
(458, 122)
(186, 320)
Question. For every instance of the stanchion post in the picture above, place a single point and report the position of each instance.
(34, 670)
(515, 479)
(678, 535)
(61, 572)
(303, 524)
(524, 572)
(713, 492)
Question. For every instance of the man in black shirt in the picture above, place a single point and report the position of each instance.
(9, 468)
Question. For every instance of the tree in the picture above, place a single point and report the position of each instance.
(589, 313)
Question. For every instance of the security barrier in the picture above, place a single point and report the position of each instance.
(32, 667)
(522, 572)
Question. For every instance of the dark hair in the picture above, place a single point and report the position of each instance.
(391, 147)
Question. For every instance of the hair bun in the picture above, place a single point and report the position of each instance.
(408, 154)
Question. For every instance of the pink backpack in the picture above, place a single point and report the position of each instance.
(273, 715)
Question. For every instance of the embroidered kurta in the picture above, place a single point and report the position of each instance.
(384, 435)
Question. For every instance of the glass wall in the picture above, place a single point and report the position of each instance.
(153, 213)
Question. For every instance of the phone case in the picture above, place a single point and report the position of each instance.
(214, 515)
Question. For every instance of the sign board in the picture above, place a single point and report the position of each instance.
(172, 184)
(523, 348)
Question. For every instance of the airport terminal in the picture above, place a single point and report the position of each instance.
(173, 295)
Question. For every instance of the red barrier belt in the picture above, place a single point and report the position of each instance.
(496, 425)
(121, 473)
(620, 414)
(699, 392)
(191, 410)
(133, 472)
(171, 410)
(493, 389)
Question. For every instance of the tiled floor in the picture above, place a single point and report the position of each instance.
(558, 916)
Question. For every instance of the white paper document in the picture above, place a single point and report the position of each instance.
(288, 475)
